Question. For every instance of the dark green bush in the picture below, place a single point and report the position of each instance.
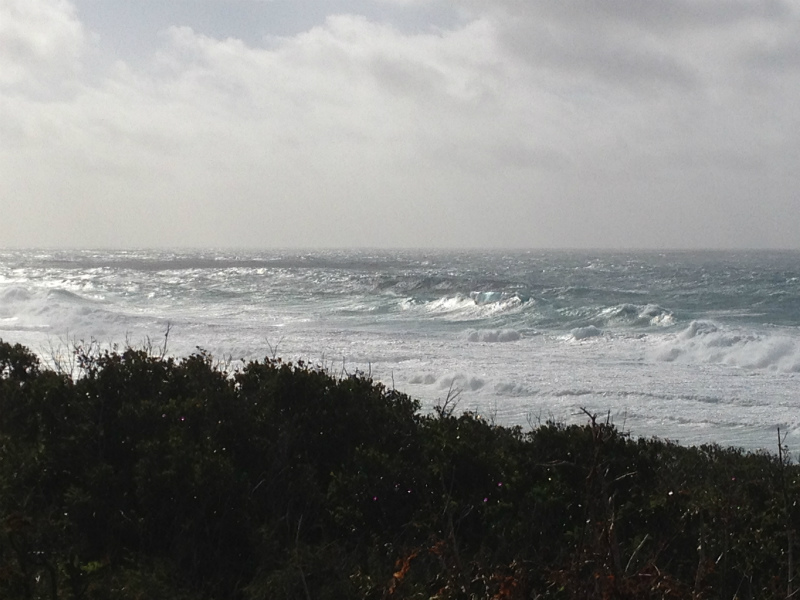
(153, 477)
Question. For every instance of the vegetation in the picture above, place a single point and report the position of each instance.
(143, 476)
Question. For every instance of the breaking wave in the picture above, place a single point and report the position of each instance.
(493, 335)
(583, 333)
(475, 306)
(454, 381)
(648, 315)
(708, 342)
(60, 311)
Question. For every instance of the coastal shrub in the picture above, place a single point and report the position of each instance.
(142, 476)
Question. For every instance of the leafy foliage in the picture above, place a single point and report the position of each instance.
(145, 476)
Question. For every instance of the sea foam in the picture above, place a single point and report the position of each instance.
(584, 333)
(707, 342)
(493, 335)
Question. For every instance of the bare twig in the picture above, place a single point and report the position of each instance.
(636, 552)
(166, 340)
(448, 407)
(273, 350)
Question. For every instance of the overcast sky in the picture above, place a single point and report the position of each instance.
(400, 123)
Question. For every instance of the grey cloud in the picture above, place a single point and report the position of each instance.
(644, 45)
(656, 17)
(404, 77)
(776, 55)
(671, 15)
(621, 58)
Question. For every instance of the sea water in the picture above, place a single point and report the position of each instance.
(697, 347)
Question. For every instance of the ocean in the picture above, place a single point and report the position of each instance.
(696, 347)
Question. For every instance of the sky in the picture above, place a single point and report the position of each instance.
(400, 123)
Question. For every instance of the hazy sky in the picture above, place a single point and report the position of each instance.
(467, 123)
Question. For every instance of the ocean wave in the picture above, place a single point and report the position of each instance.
(477, 305)
(708, 342)
(366, 307)
(450, 381)
(60, 311)
(493, 335)
(647, 315)
(584, 333)
(414, 285)
(14, 294)
(514, 389)
(495, 297)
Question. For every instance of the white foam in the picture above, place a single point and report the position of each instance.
(478, 305)
(493, 335)
(63, 313)
(707, 342)
(486, 297)
(637, 315)
(453, 304)
(513, 389)
(657, 316)
(13, 295)
(461, 381)
(423, 379)
(456, 381)
(583, 333)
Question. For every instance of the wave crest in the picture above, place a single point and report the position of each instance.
(478, 305)
(493, 335)
(647, 315)
(583, 333)
(707, 342)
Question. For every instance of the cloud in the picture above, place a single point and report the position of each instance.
(41, 42)
(225, 141)
(524, 123)
(624, 42)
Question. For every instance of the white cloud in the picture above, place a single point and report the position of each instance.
(41, 42)
(529, 123)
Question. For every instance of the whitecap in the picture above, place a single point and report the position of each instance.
(706, 342)
(493, 335)
(583, 333)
